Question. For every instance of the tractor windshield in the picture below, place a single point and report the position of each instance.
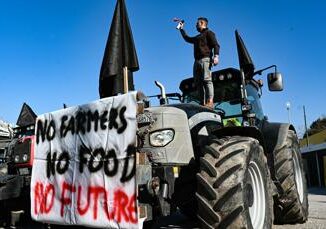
(227, 91)
(227, 97)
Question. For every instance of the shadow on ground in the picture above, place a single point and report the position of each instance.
(317, 191)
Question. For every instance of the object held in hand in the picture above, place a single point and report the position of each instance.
(180, 23)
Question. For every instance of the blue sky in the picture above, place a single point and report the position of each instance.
(51, 51)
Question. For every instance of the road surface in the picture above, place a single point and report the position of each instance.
(316, 220)
(317, 212)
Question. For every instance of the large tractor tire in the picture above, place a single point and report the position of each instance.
(233, 185)
(291, 206)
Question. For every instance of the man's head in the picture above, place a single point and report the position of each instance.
(201, 24)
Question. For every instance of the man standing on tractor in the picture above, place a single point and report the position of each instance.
(206, 53)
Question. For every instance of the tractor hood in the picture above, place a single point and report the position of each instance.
(197, 114)
(185, 121)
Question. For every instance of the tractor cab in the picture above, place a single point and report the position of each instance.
(240, 105)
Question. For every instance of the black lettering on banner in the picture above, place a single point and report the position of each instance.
(70, 127)
(113, 119)
(82, 123)
(111, 157)
(63, 158)
(41, 130)
(92, 118)
(80, 119)
(62, 126)
(123, 120)
(94, 168)
(131, 156)
(103, 120)
(50, 164)
(50, 133)
(83, 151)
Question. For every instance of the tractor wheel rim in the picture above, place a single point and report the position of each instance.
(257, 210)
(298, 175)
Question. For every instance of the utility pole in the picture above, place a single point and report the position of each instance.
(305, 125)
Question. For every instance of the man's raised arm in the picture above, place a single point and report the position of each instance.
(186, 37)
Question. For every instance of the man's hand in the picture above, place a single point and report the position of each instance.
(215, 60)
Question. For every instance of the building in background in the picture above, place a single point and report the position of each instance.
(313, 152)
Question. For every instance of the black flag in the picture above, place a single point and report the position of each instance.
(26, 117)
(119, 52)
(245, 61)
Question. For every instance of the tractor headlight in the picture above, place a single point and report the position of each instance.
(16, 158)
(161, 138)
(25, 156)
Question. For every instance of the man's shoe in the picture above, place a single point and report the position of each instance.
(210, 104)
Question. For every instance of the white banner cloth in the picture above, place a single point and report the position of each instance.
(84, 165)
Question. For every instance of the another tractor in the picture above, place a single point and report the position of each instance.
(227, 167)
(17, 163)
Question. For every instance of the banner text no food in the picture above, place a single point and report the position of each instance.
(84, 165)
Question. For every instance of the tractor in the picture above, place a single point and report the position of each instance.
(226, 167)
(223, 167)
(15, 172)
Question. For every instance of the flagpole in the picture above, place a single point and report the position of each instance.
(125, 79)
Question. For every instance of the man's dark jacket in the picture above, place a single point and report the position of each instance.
(203, 43)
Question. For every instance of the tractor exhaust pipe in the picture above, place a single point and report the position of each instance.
(163, 99)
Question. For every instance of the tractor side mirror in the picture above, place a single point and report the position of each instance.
(275, 82)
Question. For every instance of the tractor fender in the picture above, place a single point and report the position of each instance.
(275, 135)
(245, 131)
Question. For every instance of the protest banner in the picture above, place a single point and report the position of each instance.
(84, 166)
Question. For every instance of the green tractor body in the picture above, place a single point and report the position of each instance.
(224, 167)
